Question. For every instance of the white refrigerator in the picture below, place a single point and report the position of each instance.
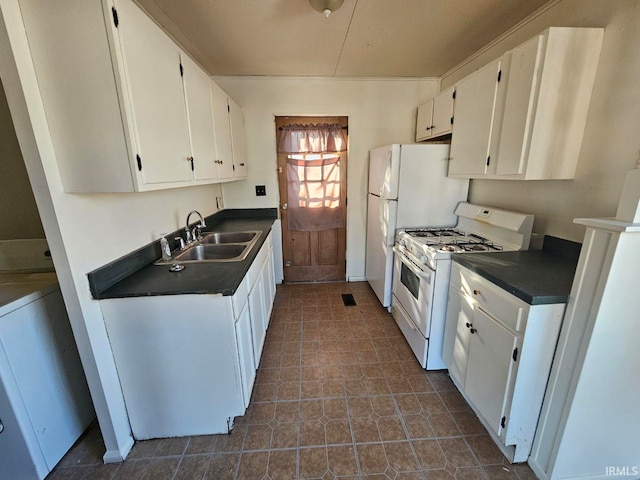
(408, 187)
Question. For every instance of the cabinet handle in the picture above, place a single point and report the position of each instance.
(476, 292)
(189, 159)
(242, 164)
(468, 325)
(473, 330)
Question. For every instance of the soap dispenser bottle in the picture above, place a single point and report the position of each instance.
(164, 246)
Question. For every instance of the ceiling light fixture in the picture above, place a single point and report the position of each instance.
(326, 7)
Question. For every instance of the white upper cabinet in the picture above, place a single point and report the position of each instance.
(151, 64)
(127, 109)
(435, 118)
(221, 114)
(549, 86)
(540, 110)
(424, 121)
(474, 112)
(443, 113)
(236, 120)
(197, 93)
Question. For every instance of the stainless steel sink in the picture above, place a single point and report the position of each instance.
(228, 237)
(216, 247)
(219, 253)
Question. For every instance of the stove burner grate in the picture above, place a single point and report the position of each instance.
(434, 232)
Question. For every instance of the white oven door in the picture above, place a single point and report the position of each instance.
(413, 287)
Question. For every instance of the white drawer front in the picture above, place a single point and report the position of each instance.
(503, 306)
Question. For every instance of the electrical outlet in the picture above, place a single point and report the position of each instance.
(261, 190)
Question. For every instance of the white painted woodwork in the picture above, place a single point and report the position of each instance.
(44, 400)
(540, 114)
(424, 121)
(473, 121)
(197, 94)
(489, 373)
(590, 415)
(198, 353)
(434, 117)
(152, 70)
(236, 120)
(443, 113)
(481, 363)
(550, 81)
(224, 148)
(245, 355)
(112, 94)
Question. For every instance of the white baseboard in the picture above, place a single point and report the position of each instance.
(356, 279)
(118, 456)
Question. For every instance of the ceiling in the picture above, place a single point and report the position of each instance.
(364, 38)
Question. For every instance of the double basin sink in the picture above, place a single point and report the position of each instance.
(216, 247)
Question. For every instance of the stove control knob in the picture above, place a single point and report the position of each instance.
(423, 259)
(402, 242)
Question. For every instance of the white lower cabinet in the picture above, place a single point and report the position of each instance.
(187, 363)
(246, 355)
(498, 350)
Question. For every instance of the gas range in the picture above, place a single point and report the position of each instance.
(422, 267)
(430, 244)
(479, 229)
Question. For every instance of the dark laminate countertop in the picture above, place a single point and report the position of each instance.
(196, 278)
(536, 276)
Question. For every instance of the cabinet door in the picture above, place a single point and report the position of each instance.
(424, 121)
(270, 286)
(152, 66)
(455, 348)
(237, 140)
(245, 354)
(490, 368)
(200, 114)
(474, 114)
(257, 311)
(224, 152)
(517, 119)
(443, 113)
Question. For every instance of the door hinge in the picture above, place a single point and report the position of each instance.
(346, 200)
(515, 354)
(139, 160)
(114, 13)
(499, 75)
(503, 422)
(228, 108)
(453, 95)
(181, 70)
(233, 167)
(452, 120)
(488, 160)
(192, 167)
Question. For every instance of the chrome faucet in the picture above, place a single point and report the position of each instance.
(192, 235)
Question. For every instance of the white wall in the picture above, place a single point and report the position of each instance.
(85, 231)
(380, 111)
(612, 137)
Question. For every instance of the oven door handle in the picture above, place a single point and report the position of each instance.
(412, 266)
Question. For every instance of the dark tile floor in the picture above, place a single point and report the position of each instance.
(338, 394)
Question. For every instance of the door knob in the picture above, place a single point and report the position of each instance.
(287, 263)
(285, 206)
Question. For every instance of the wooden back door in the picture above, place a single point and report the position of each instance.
(313, 255)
